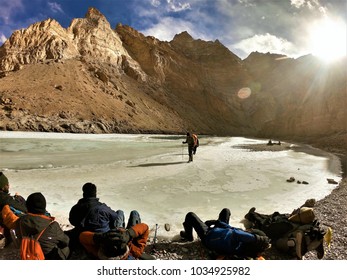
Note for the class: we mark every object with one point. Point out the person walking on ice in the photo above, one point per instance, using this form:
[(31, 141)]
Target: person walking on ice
[(192, 143)]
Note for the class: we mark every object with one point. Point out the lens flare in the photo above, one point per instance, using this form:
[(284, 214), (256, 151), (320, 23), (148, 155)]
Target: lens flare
[(244, 93)]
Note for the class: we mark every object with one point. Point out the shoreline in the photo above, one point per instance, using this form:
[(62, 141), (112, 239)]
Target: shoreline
[(341, 155)]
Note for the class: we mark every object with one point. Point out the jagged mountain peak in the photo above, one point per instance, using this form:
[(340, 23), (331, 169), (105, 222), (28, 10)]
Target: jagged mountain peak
[(95, 16), (183, 37), (94, 13)]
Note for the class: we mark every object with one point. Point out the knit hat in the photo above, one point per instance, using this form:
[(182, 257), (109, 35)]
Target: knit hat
[(36, 203), (89, 190), (3, 181)]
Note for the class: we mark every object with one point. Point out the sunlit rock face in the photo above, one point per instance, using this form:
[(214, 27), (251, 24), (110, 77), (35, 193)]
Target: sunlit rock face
[(93, 78), (305, 97), (90, 37)]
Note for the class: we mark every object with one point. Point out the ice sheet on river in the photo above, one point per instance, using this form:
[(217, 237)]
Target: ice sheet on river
[(150, 173)]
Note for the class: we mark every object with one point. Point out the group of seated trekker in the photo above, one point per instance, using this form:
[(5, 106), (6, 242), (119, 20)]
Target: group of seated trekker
[(101, 233)]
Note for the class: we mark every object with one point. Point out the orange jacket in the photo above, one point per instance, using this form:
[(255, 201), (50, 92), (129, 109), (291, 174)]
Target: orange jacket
[(8, 217), (137, 244)]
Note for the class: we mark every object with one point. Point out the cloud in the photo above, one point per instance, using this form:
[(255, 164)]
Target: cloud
[(55, 7), (168, 27), (2, 39), (8, 8), (155, 3), (166, 18), (169, 5), (266, 43), (175, 6), (297, 3), (313, 5)]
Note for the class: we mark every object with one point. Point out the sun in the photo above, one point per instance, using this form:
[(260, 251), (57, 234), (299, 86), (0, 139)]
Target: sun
[(328, 39)]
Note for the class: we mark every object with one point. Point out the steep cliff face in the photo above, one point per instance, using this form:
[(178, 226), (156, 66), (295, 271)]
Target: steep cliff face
[(308, 96), (92, 78), (198, 78)]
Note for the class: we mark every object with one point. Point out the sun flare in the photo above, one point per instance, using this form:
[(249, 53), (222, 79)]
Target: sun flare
[(328, 40)]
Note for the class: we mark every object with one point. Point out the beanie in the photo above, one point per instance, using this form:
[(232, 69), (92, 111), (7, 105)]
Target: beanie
[(89, 190), (3, 181), (36, 203)]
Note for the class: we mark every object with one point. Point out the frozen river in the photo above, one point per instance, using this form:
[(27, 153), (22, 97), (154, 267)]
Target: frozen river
[(150, 173)]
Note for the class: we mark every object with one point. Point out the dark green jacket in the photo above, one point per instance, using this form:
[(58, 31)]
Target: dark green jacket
[(54, 242)]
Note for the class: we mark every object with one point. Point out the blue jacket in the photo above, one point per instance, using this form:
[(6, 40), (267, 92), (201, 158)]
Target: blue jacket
[(227, 240), (91, 215)]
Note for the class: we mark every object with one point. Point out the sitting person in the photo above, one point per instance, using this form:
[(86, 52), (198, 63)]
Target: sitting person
[(295, 233), (122, 243), (53, 241), (224, 240), (16, 203), (89, 214)]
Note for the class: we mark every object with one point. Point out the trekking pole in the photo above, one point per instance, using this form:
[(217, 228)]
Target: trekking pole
[(155, 235)]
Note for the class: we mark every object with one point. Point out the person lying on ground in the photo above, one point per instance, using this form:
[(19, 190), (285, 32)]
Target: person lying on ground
[(122, 243), (295, 234), (224, 240), (53, 241)]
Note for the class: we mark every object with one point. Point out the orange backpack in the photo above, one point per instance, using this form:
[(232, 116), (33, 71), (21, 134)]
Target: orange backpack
[(30, 248), (196, 140)]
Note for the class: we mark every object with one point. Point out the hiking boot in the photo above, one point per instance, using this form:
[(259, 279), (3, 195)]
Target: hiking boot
[(284, 244), (185, 236), (320, 251)]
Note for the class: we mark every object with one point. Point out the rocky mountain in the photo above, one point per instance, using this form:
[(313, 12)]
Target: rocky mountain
[(95, 79)]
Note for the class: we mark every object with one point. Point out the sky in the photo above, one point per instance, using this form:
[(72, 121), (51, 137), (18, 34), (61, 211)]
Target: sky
[(290, 27)]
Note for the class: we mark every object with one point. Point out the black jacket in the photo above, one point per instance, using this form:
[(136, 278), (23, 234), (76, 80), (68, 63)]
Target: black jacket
[(89, 214), (16, 202)]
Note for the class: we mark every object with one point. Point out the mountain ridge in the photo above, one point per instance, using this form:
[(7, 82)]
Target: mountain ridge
[(90, 78)]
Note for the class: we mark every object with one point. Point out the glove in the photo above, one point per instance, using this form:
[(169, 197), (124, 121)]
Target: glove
[(262, 239), (262, 242), (124, 236), (100, 237)]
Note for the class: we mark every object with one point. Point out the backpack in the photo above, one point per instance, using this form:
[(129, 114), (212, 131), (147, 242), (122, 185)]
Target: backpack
[(30, 248), (196, 140)]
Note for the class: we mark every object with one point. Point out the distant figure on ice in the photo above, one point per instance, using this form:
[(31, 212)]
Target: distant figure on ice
[(16, 204), (192, 141), (54, 242), (119, 244), (89, 214), (224, 240)]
